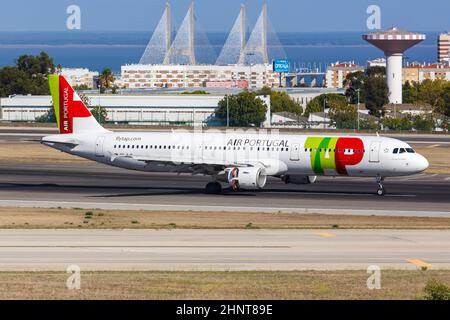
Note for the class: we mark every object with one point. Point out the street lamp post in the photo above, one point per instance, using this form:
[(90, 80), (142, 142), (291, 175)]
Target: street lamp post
[(228, 112), (357, 110), (324, 114)]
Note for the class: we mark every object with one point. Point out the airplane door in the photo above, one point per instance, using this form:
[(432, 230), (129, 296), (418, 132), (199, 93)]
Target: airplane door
[(99, 147), (374, 155), (295, 152)]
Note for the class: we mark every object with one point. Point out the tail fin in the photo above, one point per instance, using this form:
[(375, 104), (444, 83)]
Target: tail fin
[(72, 115)]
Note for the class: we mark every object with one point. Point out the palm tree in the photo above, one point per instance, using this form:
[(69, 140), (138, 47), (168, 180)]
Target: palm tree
[(106, 79)]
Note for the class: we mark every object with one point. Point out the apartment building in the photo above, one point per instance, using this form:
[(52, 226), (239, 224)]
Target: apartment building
[(196, 76)]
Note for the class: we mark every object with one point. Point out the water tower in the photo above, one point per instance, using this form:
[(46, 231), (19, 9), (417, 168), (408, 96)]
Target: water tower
[(394, 43)]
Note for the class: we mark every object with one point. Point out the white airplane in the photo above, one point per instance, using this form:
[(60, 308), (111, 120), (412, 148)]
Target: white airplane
[(242, 159)]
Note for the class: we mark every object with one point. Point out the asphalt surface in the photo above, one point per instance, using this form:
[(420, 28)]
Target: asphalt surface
[(8, 134), (99, 186), (222, 249)]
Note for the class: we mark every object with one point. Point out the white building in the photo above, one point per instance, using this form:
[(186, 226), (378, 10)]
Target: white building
[(138, 76), (380, 62), (304, 95), (80, 77), (148, 109), (444, 48), (337, 72)]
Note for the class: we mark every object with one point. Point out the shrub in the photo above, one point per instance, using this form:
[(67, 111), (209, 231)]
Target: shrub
[(436, 290)]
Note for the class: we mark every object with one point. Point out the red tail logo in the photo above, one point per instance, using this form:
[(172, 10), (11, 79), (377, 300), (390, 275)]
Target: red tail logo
[(70, 107)]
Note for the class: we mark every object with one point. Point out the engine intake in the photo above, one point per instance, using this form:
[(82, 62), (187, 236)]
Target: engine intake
[(247, 178), (298, 179)]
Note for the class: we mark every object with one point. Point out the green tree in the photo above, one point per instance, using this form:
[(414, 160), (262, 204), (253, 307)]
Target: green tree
[(368, 124), (35, 66), (373, 89), (398, 124), (423, 123), (344, 116), (106, 80), (245, 109), (433, 93), (28, 76), (81, 87), (199, 92), (410, 92), (265, 91), (100, 114), (282, 102), (376, 94), (325, 100), (354, 81), (49, 117)]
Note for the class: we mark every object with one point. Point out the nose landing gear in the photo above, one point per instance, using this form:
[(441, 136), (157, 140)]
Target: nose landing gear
[(381, 190)]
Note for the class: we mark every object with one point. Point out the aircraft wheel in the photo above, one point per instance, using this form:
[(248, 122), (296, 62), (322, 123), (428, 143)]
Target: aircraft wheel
[(213, 188), (381, 191)]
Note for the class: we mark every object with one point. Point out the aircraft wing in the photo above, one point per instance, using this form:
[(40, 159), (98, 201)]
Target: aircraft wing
[(211, 167)]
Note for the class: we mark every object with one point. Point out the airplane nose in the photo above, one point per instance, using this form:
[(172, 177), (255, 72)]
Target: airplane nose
[(422, 163)]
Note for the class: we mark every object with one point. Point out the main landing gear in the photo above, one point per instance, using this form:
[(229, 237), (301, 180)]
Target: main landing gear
[(213, 188), (381, 190)]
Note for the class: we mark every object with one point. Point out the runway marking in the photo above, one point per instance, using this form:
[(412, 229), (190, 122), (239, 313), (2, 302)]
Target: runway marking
[(21, 135), (420, 263), (434, 146), (346, 194), (447, 179), (143, 246), (426, 142), (325, 234)]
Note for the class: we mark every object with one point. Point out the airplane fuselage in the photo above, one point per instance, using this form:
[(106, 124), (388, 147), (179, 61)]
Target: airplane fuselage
[(280, 154)]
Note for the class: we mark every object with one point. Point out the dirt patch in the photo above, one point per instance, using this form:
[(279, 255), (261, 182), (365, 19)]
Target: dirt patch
[(438, 156), (35, 153), (36, 218), (219, 285)]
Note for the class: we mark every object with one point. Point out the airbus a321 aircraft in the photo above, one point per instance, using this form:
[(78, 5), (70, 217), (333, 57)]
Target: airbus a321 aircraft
[(243, 160)]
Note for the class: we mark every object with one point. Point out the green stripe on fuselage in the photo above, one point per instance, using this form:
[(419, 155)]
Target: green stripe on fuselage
[(321, 157)]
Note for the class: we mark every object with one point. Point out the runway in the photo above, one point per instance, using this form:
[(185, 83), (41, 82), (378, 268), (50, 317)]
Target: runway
[(222, 249), (26, 134), (99, 186)]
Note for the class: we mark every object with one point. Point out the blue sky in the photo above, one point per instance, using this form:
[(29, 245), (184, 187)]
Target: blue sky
[(218, 15)]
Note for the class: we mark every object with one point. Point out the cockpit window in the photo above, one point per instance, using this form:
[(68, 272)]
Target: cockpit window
[(395, 150), (410, 150), (402, 150)]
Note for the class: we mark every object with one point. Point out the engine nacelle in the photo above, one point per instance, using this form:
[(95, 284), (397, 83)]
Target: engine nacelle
[(247, 178), (298, 179)]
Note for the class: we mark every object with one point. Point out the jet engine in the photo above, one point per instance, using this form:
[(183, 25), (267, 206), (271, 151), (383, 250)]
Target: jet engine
[(298, 179), (247, 178)]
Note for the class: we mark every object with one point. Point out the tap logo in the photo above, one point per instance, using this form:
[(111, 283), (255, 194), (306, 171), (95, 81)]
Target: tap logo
[(334, 153)]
